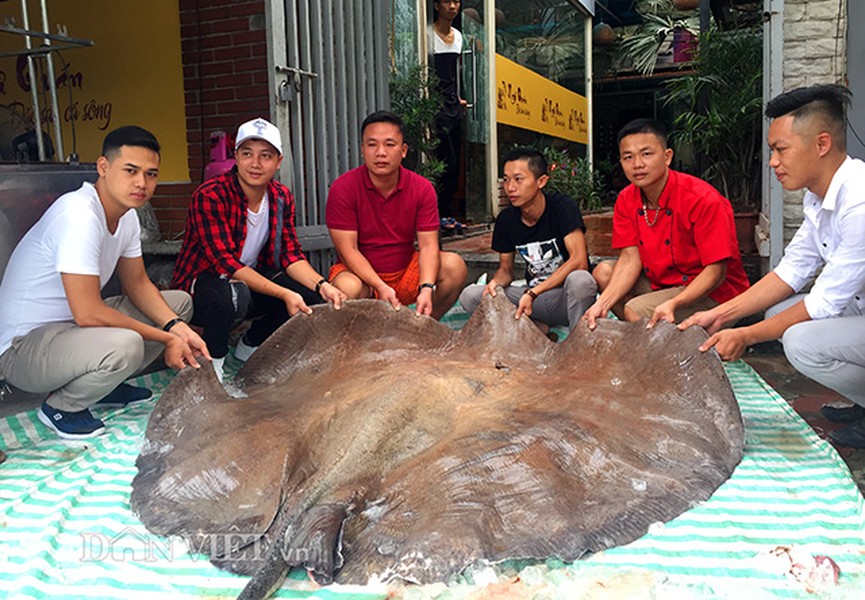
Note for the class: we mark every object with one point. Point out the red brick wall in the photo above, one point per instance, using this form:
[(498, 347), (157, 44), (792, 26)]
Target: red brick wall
[(224, 45)]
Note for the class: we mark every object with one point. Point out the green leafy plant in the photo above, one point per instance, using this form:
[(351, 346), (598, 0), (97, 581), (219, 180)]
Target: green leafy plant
[(573, 176), (414, 96), (718, 108), (660, 20)]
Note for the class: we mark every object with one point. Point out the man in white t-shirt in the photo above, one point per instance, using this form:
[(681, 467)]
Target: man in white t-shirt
[(823, 330), (57, 334)]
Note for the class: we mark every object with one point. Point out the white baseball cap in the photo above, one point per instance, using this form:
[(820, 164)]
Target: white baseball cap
[(259, 129)]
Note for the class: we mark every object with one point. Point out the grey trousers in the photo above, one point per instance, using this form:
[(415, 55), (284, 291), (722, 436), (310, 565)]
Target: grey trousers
[(77, 366), (829, 351), (560, 306)]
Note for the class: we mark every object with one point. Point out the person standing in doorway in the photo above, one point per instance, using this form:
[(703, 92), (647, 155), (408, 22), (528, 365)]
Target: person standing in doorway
[(383, 221), (447, 51)]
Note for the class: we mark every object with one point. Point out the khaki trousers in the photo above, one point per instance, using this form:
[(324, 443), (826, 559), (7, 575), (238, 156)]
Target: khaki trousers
[(646, 299), (78, 366)]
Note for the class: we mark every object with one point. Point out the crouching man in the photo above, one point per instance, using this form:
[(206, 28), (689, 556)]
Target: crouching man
[(241, 258), (57, 335), (375, 213), (823, 330)]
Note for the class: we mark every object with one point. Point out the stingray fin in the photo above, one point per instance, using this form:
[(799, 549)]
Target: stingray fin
[(493, 332), (207, 466), (328, 336)]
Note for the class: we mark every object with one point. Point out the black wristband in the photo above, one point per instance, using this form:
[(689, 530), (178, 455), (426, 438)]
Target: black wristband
[(531, 293), (172, 323), (320, 283), (431, 286)]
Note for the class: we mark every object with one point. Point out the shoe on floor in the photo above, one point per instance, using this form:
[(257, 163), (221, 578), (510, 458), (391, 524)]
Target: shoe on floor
[(78, 425), (242, 352), (852, 436), (448, 226), (125, 394), (845, 414)]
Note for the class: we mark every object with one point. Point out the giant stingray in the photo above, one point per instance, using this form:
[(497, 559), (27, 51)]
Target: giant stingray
[(371, 444)]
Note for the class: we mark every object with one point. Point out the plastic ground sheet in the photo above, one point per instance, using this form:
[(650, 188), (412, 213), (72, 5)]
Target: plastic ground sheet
[(66, 530)]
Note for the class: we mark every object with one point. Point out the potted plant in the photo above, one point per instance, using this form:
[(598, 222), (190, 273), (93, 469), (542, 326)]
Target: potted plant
[(415, 97), (718, 110), (662, 23), (573, 176)]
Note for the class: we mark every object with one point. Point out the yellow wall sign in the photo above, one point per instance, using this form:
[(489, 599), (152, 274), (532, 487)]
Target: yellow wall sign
[(530, 101), (132, 75)]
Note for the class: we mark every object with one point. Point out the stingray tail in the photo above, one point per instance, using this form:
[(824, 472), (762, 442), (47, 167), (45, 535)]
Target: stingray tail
[(313, 544), (268, 579)]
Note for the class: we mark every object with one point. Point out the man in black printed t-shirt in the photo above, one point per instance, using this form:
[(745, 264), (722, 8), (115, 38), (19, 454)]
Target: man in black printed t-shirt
[(548, 232)]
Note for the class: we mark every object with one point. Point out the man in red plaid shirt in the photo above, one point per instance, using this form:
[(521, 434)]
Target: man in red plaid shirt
[(240, 257)]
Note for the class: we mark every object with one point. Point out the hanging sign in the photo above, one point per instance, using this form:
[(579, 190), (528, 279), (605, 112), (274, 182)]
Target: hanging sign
[(530, 101)]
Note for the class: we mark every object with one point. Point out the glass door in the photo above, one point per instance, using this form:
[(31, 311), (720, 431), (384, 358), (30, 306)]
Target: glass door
[(546, 38), (475, 89)]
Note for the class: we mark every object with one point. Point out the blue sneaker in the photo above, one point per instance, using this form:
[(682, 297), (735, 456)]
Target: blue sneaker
[(71, 425), (125, 394)]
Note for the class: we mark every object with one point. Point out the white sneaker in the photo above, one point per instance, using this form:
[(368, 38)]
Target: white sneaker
[(218, 364), (242, 352)]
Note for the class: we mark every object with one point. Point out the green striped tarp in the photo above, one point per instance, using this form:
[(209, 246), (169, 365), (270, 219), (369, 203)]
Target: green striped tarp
[(66, 530)]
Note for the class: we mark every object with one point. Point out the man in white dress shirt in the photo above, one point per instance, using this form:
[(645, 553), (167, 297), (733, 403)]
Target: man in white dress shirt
[(823, 330)]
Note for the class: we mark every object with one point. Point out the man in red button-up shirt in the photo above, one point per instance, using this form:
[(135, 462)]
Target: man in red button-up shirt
[(679, 252)]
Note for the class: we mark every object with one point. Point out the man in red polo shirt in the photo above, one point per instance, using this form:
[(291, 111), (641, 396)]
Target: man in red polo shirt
[(374, 214), (679, 252)]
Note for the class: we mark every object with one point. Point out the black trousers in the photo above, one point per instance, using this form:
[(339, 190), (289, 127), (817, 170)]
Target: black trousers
[(448, 151), (221, 304)]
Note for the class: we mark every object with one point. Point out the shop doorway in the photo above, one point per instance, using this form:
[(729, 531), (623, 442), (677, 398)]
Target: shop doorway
[(461, 62), (325, 71), (547, 43)]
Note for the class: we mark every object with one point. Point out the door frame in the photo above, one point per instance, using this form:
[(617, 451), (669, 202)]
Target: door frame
[(425, 12), (327, 64)]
